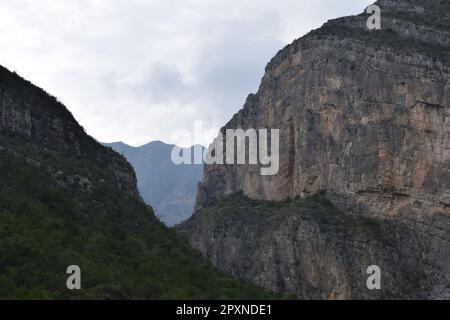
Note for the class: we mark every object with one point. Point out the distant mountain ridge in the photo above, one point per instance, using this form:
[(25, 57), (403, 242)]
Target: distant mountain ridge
[(168, 187)]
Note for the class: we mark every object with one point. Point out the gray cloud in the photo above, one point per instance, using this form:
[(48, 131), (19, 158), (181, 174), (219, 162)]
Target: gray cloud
[(160, 83), (135, 70)]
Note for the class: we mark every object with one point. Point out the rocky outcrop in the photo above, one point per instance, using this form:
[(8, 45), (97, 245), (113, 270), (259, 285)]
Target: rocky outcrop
[(364, 119), (308, 248), (28, 112)]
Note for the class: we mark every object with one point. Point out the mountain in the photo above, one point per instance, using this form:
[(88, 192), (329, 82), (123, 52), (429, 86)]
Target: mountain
[(67, 200), (168, 187), (364, 179)]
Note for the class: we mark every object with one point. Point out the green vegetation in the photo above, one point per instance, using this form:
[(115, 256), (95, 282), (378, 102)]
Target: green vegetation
[(386, 38), (432, 19), (123, 251), (269, 214)]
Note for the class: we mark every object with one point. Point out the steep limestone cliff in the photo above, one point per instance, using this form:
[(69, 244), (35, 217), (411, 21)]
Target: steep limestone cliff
[(364, 119)]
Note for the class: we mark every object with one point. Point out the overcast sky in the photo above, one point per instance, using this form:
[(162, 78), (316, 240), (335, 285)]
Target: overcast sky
[(136, 71)]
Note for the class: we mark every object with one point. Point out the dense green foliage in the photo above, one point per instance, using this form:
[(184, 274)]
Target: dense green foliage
[(123, 251)]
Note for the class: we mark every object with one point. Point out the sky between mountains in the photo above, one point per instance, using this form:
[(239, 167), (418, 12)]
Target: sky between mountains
[(136, 71)]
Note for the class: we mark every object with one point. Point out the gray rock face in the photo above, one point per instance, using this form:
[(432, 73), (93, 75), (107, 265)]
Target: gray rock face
[(28, 112), (364, 118), (308, 248), (169, 188)]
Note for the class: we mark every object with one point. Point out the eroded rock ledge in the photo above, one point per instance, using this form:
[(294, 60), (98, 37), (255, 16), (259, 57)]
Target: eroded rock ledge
[(309, 248)]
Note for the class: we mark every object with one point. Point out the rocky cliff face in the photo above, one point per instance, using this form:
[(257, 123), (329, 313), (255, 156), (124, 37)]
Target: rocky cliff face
[(364, 119), (308, 248), (28, 112)]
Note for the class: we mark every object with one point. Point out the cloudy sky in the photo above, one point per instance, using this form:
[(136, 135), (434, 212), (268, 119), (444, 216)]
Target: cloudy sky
[(137, 71)]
